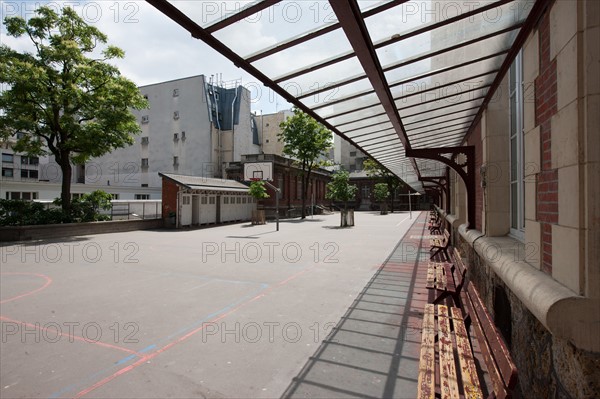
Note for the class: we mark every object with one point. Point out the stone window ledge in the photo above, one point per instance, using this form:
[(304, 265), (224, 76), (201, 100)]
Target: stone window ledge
[(564, 313)]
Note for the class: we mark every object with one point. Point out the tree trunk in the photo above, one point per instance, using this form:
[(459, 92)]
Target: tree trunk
[(65, 195), (305, 179)]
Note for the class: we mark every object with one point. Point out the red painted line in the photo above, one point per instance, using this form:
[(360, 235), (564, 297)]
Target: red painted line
[(43, 276), (168, 346), (70, 336)]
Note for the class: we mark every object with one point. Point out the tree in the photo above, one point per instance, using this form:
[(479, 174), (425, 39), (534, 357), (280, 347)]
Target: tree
[(258, 191), (305, 140), (381, 193), (64, 102), (374, 169), (340, 189)]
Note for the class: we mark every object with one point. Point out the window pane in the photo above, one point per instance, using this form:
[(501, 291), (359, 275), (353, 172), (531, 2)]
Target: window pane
[(513, 160), (514, 206)]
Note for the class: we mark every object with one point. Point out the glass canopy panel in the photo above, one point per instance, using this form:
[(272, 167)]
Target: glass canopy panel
[(484, 48), (275, 24), (335, 93), (466, 73), (303, 55), (406, 17), (372, 140), (438, 134), (437, 109), (375, 136), (349, 105), (448, 95), (439, 142), (448, 35), (443, 114), (322, 77), (366, 5), (358, 115), (448, 124), (206, 13), (454, 118), (374, 123)]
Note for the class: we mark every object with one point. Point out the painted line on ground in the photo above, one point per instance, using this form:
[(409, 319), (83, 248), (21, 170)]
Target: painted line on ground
[(71, 336), (146, 358), (14, 298)]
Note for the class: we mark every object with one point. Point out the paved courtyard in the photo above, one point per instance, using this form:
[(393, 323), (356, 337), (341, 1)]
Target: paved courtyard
[(230, 311)]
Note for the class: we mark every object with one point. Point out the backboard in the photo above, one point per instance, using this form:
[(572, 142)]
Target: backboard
[(258, 170)]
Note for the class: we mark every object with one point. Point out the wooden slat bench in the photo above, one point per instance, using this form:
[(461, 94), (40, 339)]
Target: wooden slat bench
[(446, 343), (445, 279), (453, 347), (440, 244), (499, 364)]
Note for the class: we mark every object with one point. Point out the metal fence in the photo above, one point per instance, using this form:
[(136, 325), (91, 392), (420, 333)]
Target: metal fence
[(134, 209), (126, 209)]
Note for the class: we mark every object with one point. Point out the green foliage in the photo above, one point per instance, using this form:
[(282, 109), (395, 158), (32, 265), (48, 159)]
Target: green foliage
[(27, 213), (374, 169), (258, 190), (381, 192), (339, 188), (305, 140), (66, 103)]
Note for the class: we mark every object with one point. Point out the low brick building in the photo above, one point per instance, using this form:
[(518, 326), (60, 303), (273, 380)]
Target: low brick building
[(286, 176), (196, 200)]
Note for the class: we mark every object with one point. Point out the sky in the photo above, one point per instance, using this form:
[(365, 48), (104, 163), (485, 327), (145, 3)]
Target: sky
[(156, 48)]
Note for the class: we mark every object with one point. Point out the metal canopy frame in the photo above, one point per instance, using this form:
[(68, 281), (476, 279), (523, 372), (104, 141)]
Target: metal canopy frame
[(457, 63)]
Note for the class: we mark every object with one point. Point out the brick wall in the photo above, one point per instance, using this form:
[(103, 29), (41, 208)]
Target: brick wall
[(169, 197), (545, 108)]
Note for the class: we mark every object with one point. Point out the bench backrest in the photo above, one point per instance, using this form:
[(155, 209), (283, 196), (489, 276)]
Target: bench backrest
[(446, 237), (497, 358), (461, 269)]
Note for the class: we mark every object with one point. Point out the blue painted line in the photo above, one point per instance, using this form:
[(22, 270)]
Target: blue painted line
[(85, 380), (125, 359), (149, 347)]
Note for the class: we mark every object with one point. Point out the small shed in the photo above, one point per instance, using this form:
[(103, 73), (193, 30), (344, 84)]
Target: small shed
[(197, 200)]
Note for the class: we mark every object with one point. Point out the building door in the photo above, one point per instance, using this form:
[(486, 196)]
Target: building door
[(195, 210), (186, 210)]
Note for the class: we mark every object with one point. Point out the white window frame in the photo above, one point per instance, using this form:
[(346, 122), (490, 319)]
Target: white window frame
[(516, 182)]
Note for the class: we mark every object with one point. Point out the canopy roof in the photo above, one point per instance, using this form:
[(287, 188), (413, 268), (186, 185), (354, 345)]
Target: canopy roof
[(389, 76)]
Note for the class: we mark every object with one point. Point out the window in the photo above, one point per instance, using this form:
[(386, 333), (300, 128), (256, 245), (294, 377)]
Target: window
[(27, 196), (176, 115), (175, 92), (8, 158), (175, 161), (144, 140), (144, 162), (211, 200), (115, 196), (145, 119), (517, 192), (144, 185), (183, 135), (29, 174), (175, 136), (75, 196), (7, 172), (352, 153), (243, 200), (203, 200), (142, 196), (226, 200), (19, 135), (298, 189), (239, 200)]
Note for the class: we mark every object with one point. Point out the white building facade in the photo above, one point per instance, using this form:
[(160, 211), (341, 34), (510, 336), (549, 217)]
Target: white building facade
[(191, 127)]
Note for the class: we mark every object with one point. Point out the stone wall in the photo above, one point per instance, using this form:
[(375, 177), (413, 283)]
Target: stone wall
[(26, 233), (548, 367)]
